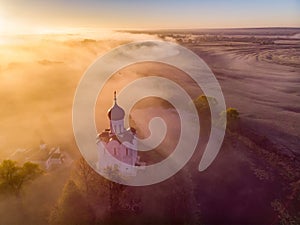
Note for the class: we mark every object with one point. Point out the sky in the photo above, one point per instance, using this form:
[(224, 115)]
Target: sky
[(36, 15)]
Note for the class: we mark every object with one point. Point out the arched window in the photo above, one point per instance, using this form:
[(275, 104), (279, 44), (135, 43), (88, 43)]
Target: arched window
[(115, 151)]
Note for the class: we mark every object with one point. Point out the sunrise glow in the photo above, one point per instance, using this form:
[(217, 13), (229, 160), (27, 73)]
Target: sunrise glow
[(32, 16)]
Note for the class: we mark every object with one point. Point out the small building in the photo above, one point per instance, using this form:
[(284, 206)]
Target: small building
[(47, 158), (56, 158)]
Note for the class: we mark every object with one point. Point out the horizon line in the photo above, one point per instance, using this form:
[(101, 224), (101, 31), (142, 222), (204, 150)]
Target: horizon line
[(72, 30), (210, 28)]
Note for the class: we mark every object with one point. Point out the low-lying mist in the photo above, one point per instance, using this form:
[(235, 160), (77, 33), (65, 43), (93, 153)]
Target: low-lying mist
[(39, 75)]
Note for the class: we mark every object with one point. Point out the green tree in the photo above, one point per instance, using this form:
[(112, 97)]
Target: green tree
[(232, 114), (13, 177), (202, 102)]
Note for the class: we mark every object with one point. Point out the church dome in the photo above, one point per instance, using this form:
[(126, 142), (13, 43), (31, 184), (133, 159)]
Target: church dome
[(116, 112)]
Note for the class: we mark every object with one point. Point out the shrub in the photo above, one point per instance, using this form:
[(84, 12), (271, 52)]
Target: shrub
[(202, 101), (232, 114)]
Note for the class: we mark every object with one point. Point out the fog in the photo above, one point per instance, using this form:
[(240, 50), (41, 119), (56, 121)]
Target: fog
[(38, 79), (39, 75)]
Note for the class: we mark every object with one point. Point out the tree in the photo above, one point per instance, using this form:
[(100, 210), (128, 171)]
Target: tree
[(180, 198), (232, 114), (115, 190), (102, 194), (13, 177), (86, 177), (72, 207), (202, 102)]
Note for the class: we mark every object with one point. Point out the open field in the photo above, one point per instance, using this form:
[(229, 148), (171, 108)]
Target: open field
[(258, 70)]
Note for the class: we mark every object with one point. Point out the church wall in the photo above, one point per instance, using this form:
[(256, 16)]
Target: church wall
[(117, 126)]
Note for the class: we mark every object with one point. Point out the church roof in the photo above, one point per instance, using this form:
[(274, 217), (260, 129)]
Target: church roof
[(55, 156), (127, 136), (116, 112)]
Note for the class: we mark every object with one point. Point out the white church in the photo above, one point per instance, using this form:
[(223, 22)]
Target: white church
[(117, 146)]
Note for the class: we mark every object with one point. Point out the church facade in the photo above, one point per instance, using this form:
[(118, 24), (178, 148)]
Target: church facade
[(117, 146)]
